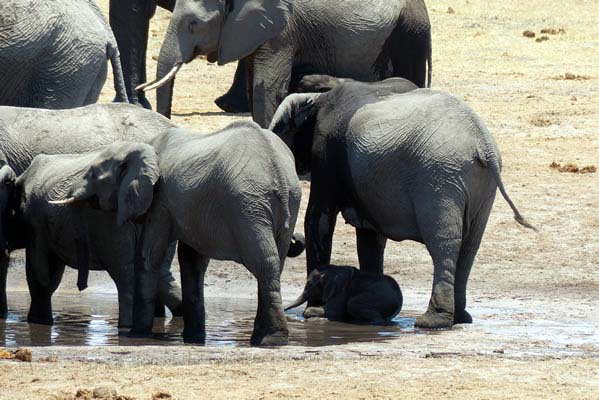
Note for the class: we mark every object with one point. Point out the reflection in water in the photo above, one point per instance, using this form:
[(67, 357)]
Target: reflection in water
[(92, 320)]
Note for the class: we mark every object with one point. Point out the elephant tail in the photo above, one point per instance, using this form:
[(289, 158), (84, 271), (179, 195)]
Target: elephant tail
[(489, 158), (117, 71)]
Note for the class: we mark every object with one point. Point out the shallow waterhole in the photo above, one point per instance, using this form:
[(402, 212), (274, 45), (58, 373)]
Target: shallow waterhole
[(92, 320)]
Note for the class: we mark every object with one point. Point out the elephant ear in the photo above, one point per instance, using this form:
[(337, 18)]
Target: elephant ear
[(249, 24), (136, 189)]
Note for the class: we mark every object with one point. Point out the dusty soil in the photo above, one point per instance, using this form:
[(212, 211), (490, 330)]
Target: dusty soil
[(533, 296)]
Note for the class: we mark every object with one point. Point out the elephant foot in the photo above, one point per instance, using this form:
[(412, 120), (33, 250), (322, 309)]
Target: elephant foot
[(275, 339), (462, 317), (33, 318), (314, 312), (194, 338), (140, 334), (232, 103), (434, 321)]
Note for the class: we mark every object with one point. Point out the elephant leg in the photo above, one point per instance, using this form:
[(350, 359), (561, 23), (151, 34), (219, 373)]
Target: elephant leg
[(193, 269), (4, 262), (371, 250), (236, 100), (263, 261), (150, 253), (40, 309), (272, 75), (470, 246), (442, 234), (130, 22), (319, 226), (123, 277), (169, 291)]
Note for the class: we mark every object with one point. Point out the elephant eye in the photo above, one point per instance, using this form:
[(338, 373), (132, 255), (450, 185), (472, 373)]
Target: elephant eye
[(193, 26)]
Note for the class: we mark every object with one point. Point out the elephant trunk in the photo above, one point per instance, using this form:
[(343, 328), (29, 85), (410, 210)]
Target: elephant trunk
[(299, 301), (169, 63)]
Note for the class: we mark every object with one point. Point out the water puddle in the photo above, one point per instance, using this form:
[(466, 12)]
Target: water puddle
[(92, 320)]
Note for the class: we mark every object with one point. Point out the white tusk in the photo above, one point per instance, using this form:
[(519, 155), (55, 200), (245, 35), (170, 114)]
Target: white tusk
[(70, 200), (159, 83)]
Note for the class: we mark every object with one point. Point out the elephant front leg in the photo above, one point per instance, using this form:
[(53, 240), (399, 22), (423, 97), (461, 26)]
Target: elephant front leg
[(4, 262), (150, 253), (41, 290), (319, 226), (271, 77), (371, 250), (169, 291), (193, 269)]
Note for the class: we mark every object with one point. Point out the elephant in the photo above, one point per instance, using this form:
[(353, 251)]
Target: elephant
[(276, 39), (349, 295), (130, 22), (418, 166), (231, 195), (53, 54), (26, 133)]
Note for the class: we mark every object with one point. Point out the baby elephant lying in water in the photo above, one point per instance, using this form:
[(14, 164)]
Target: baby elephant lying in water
[(350, 295)]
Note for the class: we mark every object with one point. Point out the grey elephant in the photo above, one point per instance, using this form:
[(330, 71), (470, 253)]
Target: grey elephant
[(232, 195), (276, 39), (26, 133), (53, 54), (343, 293), (415, 166)]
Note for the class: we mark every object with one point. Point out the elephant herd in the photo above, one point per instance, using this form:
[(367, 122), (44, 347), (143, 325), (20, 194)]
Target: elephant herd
[(339, 90)]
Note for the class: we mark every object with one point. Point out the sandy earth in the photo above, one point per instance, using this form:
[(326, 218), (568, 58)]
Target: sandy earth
[(533, 296)]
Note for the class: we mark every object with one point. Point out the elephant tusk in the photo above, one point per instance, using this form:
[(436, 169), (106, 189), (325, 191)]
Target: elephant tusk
[(70, 200), (159, 83)]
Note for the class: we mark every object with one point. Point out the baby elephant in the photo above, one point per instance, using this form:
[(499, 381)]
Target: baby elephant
[(350, 295)]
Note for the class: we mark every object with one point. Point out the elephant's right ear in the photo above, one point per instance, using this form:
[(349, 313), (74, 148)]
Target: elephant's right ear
[(249, 24), (136, 187)]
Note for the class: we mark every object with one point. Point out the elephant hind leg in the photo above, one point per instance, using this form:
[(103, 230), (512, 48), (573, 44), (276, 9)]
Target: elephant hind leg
[(470, 246), (262, 259), (4, 262), (169, 291), (441, 228)]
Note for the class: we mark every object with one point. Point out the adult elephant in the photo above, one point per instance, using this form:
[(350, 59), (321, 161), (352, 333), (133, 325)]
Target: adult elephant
[(279, 38), (130, 22), (26, 133), (418, 166), (232, 195), (53, 54)]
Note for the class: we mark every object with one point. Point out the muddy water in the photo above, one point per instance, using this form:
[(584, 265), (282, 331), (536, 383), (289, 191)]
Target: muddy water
[(92, 320)]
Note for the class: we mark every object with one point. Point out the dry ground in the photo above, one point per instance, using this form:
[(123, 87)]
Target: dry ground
[(519, 87)]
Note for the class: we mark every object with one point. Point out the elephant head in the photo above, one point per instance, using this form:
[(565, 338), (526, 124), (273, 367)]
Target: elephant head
[(223, 30), (120, 179), (328, 286), (294, 122)]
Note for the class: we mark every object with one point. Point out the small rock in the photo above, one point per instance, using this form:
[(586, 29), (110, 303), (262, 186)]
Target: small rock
[(23, 354), (104, 392), (542, 39), (450, 11), (161, 395), (528, 34)]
